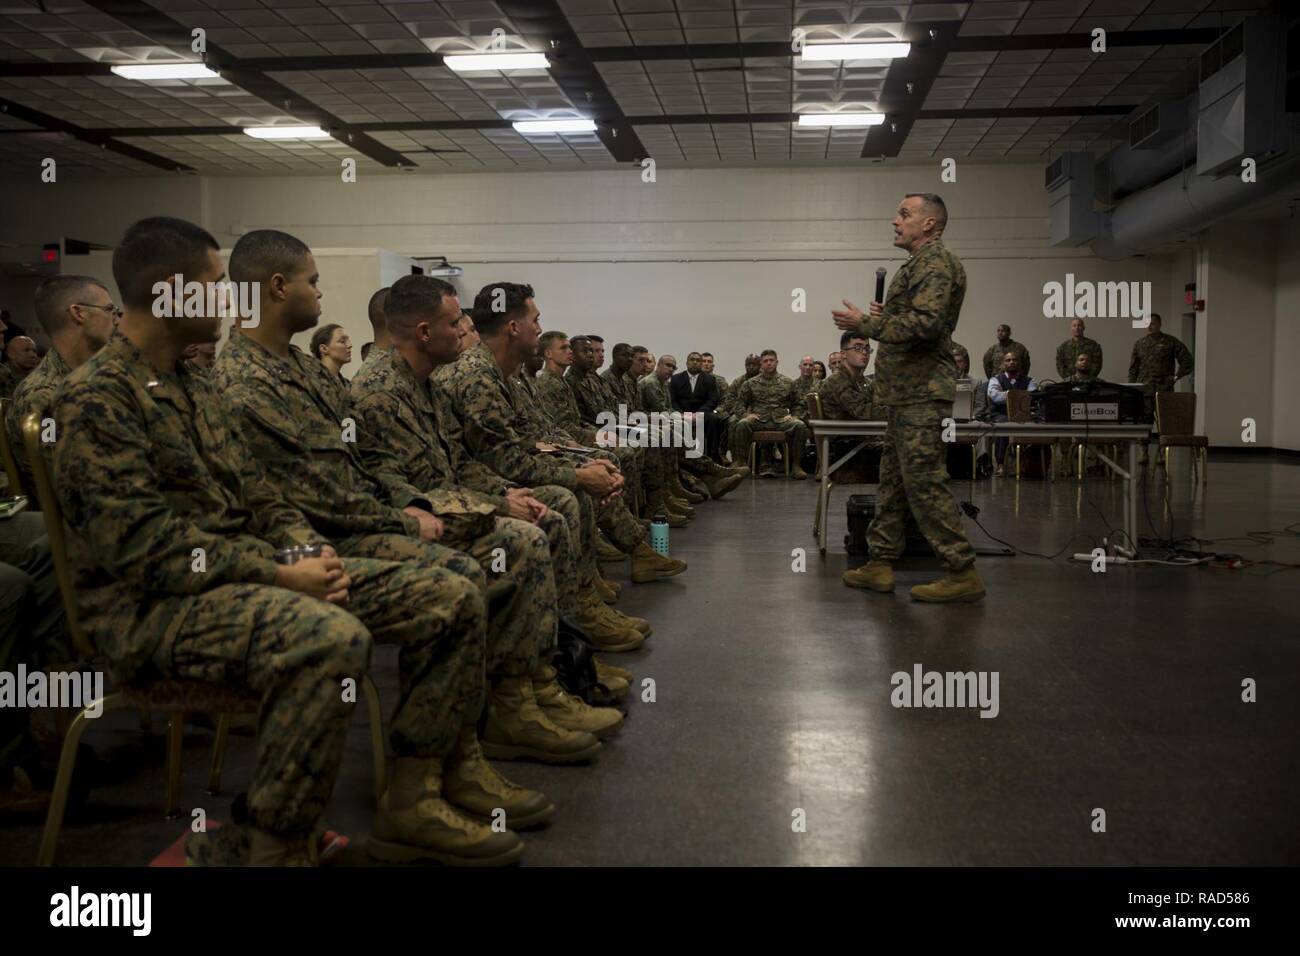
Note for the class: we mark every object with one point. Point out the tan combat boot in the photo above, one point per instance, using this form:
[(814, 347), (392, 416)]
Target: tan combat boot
[(723, 484), (472, 784), (603, 590), (874, 576), (568, 711), (649, 565), (518, 730), (798, 474), (606, 551), (679, 490), (617, 618), (414, 822), (659, 503), (680, 505), (604, 670), (603, 631), (273, 849), (953, 586)]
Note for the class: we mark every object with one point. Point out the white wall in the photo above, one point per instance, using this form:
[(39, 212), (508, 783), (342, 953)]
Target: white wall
[(700, 259), (1235, 333), (1286, 341)]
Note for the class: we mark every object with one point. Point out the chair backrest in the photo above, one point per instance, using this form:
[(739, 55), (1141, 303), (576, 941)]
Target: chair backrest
[(7, 453), (1018, 405), (814, 406), (1176, 413), (54, 532)]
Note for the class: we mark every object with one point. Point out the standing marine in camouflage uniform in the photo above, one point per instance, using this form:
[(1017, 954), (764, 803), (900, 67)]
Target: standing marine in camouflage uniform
[(1004, 344), (298, 427), (767, 401), (1069, 350), (174, 538), (916, 382), (1154, 357), (78, 315)]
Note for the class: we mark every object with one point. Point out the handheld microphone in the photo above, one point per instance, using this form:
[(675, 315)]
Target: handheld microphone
[(880, 285)]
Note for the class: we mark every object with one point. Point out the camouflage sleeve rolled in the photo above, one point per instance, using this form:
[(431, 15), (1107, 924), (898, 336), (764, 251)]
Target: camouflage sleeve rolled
[(1183, 356), (485, 415), (470, 472), (108, 486), (924, 320)]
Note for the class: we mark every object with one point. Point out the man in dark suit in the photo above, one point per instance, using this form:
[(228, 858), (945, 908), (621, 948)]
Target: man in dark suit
[(695, 391)]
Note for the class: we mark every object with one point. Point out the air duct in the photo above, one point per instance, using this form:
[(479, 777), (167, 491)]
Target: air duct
[(1185, 204), (1246, 150), (1127, 169)]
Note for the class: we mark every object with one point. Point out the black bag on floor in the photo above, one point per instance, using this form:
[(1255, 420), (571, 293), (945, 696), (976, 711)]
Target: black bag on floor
[(861, 509), (575, 665)]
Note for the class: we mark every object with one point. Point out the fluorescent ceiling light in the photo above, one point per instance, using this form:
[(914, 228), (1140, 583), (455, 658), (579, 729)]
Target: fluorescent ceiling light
[(165, 71), (286, 132), (854, 51), (555, 126), (470, 62), (841, 119)]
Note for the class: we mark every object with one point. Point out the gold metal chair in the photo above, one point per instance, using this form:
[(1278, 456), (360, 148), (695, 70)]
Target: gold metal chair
[(1176, 423), (173, 697), (769, 437)]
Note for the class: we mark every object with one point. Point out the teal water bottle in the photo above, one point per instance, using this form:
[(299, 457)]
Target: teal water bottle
[(659, 534)]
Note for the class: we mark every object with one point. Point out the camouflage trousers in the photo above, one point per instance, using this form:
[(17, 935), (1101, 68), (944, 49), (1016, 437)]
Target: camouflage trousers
[(914, 476), (295, 652), (511, 563), (575, 574), (32, 630)]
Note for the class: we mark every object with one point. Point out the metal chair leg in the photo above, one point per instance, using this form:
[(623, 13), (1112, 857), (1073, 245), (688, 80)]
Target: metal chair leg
[(1017, 463), (377, 755), (219, 753), (175, 736), (785, 454), (63, 778)]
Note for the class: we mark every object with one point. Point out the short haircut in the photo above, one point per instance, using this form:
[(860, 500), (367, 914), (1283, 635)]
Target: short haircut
[(766, 352), (365, 350), (622, 348), (640, 350), (515, 296), (849, 336), (413, 298), (155, 249), (321, 337), (375, 307), (547, 339), (595, 338), (55, 295), (262, 253), (933, 206), (579, 340), (1155, 317), (704, 355)]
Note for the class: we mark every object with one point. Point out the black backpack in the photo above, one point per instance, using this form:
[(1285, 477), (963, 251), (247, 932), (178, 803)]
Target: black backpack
[(575, 665)]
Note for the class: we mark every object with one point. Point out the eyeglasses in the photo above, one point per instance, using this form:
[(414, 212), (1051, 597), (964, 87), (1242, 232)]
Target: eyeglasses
[(112, 310), (857, 348)]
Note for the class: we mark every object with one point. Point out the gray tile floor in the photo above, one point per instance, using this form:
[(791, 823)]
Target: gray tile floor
[(1118, 691)]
